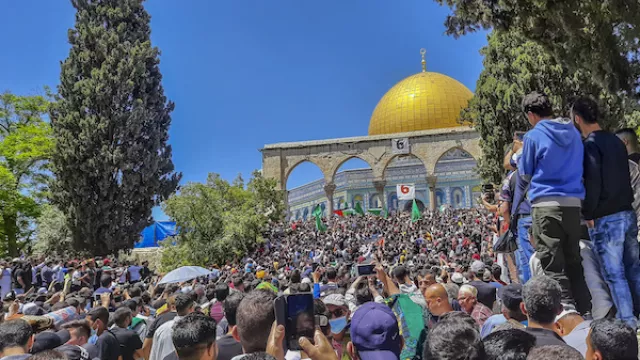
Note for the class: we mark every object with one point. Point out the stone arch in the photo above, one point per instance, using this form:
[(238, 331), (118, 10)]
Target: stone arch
[(440, 197), (408, 206), (342, 160), (375, 201), (447, 152), (457, 197), (392, 201), (358, 198), (289, 169), (397, 156)]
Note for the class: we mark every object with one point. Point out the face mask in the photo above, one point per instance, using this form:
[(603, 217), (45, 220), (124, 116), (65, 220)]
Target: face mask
[(94, 336), (337, 325), (93, 339)]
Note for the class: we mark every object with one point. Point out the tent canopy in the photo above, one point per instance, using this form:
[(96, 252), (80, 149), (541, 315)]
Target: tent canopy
[(156, 232)]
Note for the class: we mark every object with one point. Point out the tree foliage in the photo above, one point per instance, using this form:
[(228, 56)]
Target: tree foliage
[(112, 161), (25, 147), (219, 221), (52, 233), (513, 67), (598, 36)]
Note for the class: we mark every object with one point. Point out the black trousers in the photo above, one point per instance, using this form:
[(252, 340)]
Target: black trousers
[(557, 233)]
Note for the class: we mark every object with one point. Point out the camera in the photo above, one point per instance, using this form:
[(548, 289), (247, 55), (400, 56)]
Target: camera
[(488, 191), (295, 313)]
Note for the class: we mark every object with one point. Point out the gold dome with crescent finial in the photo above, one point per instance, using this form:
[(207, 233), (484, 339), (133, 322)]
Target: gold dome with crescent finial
[(424, 101)]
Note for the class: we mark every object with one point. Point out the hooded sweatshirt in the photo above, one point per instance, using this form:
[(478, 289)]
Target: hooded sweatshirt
[(551, 160)]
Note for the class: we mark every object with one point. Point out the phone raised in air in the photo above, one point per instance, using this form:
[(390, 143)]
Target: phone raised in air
[(295, 313), (366, 270), (519, 135)]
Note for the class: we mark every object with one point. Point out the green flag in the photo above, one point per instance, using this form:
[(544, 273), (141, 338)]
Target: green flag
[(317, 213), (358, 209), (415, 212), (385, 213)]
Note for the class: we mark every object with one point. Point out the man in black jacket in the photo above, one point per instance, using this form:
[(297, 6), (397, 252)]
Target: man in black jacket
[(607, 209)]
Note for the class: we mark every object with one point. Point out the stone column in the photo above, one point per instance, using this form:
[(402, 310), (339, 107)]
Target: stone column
[(431, 182), (379, 185), (285, 198), (329, 189)]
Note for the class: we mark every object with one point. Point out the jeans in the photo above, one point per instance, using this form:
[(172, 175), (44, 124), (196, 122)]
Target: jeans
[(556, 232), (600, 295), (615, 243), (525, 250)]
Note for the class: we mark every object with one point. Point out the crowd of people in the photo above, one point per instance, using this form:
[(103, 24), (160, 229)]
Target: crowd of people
[(437, 289)]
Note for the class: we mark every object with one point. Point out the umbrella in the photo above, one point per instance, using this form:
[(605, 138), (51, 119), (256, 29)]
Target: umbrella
[(184, 273)]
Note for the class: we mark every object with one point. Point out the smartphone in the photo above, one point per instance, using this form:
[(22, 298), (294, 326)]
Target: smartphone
[(295, 313), (519, 135), (366, 270), (117, 298), (315, 266), (96, 297)]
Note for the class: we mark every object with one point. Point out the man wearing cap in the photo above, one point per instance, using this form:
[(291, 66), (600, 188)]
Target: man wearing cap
[(574, 329), (375, 334), (339, 321), (486, 292), (511, 297), (468, 299)]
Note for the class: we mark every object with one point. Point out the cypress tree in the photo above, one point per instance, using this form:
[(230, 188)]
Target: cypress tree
[(112, 163)]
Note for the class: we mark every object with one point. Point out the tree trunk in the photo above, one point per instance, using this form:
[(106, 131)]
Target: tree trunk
[(11, 233)]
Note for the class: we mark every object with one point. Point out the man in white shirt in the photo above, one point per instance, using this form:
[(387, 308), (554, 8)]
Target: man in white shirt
[(162, 348)]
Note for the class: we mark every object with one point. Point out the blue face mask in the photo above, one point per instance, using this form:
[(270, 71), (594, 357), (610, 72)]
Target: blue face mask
[(93, 339), (337, 325)]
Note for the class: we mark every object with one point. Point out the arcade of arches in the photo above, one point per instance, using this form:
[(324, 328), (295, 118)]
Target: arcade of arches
[(436, 158)]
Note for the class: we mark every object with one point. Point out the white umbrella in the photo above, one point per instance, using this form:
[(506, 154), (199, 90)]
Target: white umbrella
[(184, 273)]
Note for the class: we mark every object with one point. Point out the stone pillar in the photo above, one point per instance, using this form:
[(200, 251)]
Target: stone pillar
[(379, 185), (329, 189), (431, 182), (285, 198)]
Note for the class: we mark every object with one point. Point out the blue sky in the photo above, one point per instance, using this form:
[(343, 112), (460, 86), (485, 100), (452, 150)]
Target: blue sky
[(244, 73)]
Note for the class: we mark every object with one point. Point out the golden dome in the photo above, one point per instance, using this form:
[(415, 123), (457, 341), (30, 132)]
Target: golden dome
[(423, 101)]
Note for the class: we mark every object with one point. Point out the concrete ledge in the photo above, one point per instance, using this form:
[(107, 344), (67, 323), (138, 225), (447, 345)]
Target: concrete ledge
[(358, 139)]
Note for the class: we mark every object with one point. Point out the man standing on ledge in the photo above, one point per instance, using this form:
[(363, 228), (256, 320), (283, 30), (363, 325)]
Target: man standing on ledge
[(551, 161), (607, 210)]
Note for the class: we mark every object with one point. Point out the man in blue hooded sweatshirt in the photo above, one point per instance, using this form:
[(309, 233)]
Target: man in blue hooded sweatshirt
[(551, 161)]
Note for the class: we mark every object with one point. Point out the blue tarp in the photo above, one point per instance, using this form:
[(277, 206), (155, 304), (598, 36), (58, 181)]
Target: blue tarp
[(156, 232)]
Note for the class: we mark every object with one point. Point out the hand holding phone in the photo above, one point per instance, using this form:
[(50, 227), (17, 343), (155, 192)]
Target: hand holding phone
[(295, 313), (366, 270)]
